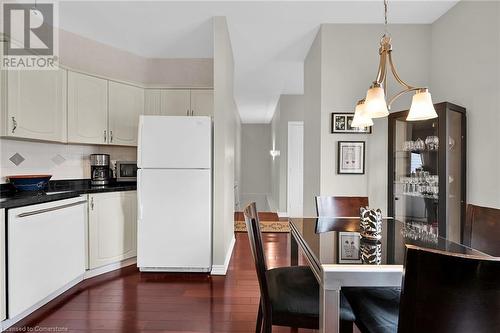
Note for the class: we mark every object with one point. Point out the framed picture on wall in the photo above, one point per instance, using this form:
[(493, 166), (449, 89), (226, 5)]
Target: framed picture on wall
[(351, 157), (341, 123), (349, 252)]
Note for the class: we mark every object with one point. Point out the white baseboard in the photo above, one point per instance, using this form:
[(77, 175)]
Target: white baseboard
[(222, 269), (282, 214), (108, 268)]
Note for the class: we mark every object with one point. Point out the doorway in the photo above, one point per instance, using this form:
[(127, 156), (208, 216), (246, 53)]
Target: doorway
[(295, 168)]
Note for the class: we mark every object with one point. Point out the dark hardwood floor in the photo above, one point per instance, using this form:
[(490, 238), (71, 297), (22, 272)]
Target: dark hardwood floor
[(129, 301)]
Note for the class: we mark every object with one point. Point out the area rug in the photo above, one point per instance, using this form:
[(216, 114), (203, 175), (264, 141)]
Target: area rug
[(269, 222)]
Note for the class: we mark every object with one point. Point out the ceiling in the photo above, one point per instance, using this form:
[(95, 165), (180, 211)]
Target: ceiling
[(270, 39)]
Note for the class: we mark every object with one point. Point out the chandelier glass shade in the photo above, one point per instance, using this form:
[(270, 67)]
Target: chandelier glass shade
[(360, 119)]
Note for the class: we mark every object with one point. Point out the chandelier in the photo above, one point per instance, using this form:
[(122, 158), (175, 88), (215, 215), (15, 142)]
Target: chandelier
[(374, 105)]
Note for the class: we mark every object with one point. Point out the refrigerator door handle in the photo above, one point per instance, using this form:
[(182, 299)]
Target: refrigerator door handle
[(139, 195), (139, 142)]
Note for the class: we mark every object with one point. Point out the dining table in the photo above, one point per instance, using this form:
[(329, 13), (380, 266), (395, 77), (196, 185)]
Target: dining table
[(339, 257)]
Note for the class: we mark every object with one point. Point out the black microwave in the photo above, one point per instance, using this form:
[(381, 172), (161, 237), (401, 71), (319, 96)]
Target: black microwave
[(126, 171)]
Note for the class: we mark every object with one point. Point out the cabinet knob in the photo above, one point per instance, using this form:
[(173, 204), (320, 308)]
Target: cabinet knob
[(92, 203), (105, 138), (14, 124), (110, 136)]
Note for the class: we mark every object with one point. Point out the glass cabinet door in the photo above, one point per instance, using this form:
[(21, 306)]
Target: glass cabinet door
[(416, 173)]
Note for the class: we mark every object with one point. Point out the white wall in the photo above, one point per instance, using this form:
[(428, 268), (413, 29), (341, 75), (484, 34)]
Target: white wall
[(226, 122), (289, 108), (256, 165), (312, 124), (349, 64), (466, 71), (62, 161), (80, 53)]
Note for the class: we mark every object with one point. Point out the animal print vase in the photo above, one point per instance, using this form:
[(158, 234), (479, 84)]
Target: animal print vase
[(371, 223), (371, 252)]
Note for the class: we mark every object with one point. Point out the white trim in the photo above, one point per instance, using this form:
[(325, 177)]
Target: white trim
[(86, 275), (222, 269), (282, 214), (108, 268)]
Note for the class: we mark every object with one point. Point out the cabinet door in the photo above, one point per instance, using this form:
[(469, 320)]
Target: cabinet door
[(126, 103), (202, 102), (152, 102), (112, 227), (175, 102), (87, 109), (36, 104)]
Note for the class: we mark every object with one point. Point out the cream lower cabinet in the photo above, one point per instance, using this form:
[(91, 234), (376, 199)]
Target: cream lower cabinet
[(87, 109), (112, 227), (36, 105), (126, 103)]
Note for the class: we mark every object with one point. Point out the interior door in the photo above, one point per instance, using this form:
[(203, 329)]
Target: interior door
[(87, 109), (126, 103), (36, 103), (295, 178), (174, 219)]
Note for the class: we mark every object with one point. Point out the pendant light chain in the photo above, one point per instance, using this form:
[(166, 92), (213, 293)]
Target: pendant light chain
[(385, 18)]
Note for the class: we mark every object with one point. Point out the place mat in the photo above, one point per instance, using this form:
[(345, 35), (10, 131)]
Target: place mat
[(265, 226)]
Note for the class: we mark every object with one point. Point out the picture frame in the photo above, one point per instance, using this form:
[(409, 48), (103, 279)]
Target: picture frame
[(351, 157), (341, 123), (349, 247)]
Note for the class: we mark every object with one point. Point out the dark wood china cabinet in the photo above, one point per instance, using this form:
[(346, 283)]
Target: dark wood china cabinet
[(427, 179)]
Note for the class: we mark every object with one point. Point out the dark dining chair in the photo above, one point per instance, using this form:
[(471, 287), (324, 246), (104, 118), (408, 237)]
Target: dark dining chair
[(482, 229), (442, 293), (330, 206), (289, 296)]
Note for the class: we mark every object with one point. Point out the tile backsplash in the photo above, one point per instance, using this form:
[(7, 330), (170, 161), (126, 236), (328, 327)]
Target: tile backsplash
[(62, 161)]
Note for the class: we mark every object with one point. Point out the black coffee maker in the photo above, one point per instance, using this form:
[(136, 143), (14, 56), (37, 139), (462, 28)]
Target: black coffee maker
[(100, 173)]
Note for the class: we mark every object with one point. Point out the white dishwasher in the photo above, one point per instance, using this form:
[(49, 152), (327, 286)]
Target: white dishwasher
[(45, 251)]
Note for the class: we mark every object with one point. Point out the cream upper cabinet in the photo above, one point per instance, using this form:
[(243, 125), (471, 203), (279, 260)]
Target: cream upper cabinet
[(152, 102), (87, 109), (36, 104), (202, 102), (112, 227), (175, 102), (126, 103)]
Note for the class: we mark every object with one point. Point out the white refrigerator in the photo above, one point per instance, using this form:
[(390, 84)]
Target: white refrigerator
[(174, 194)]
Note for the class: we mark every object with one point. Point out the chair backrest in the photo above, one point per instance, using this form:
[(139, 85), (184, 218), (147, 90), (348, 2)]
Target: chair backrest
[(256, 245), (327, 206), (449, 293), (482, 229)]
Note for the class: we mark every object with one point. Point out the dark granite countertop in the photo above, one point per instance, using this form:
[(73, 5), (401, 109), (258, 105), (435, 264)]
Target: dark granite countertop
[(57, 190)]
